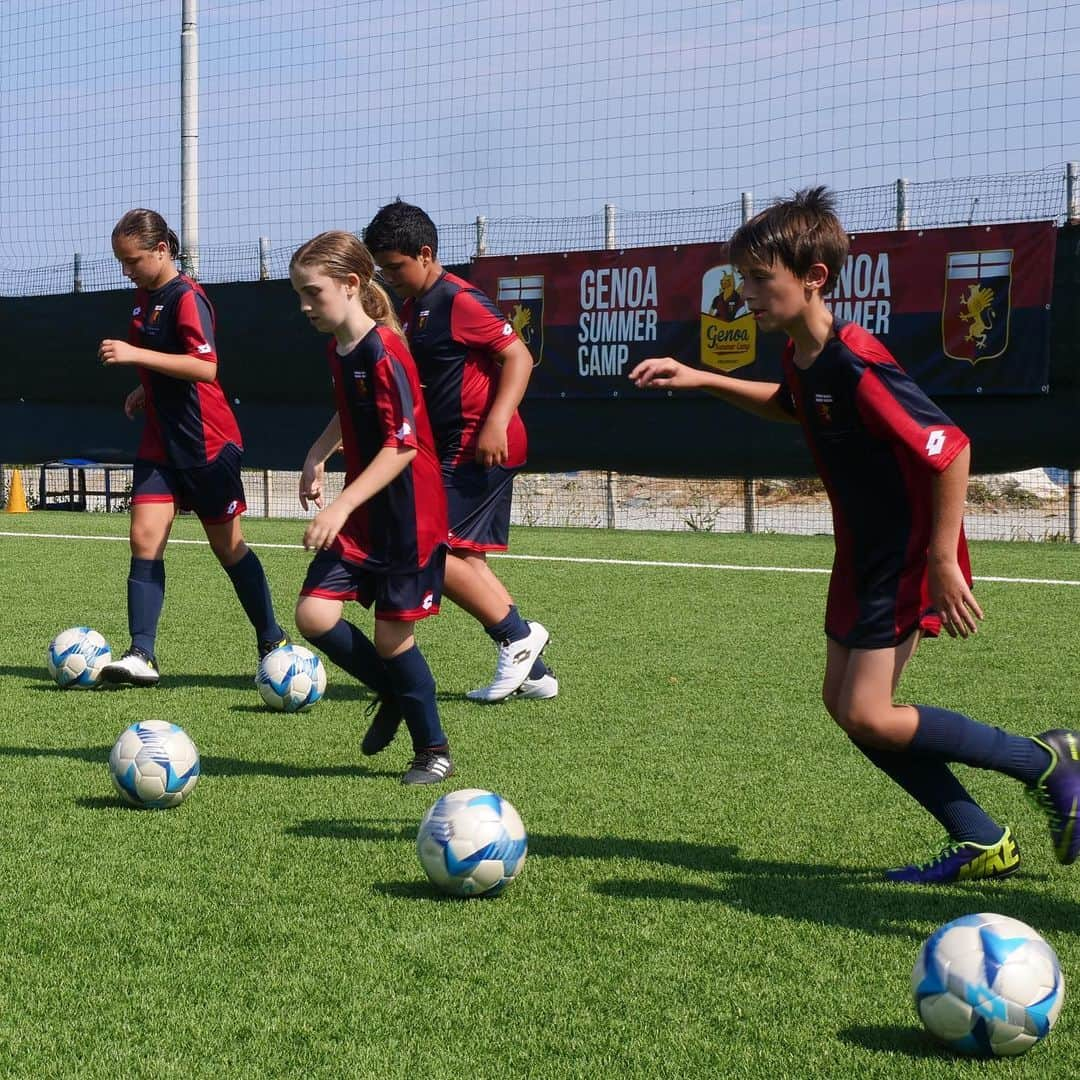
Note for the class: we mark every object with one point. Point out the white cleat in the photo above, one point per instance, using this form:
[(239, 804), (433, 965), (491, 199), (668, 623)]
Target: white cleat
[(516, 659), (547, 686), (134, 668)]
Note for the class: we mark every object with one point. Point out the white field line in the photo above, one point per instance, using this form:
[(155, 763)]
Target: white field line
[(575, 559)]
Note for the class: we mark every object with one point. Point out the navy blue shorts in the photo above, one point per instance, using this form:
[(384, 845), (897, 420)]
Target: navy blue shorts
[(478, 505), (214, 491), (397, 597)]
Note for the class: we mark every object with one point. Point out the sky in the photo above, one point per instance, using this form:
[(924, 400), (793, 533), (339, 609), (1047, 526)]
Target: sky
[(535, 116)]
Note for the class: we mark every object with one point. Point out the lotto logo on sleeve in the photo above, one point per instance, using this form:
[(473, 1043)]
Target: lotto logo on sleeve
[(935, 443)]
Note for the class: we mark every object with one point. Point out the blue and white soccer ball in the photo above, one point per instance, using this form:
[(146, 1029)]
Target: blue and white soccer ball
[(291, 678), (988, 985), (76, 657), (472, 843), (154, 765)]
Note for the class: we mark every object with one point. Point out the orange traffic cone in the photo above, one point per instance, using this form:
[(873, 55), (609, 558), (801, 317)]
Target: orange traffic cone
[(16, 500)]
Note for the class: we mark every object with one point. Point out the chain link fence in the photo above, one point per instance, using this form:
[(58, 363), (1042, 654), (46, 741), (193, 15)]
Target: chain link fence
[(1034, 505)]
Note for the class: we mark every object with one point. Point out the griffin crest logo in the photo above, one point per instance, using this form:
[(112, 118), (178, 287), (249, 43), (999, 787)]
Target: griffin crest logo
[(977, 304), (521, 300)]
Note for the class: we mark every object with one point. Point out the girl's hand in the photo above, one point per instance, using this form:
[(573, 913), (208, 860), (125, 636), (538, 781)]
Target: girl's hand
[(135, 401), (953, 599), (116, 352), (324, 527), (311, 485)]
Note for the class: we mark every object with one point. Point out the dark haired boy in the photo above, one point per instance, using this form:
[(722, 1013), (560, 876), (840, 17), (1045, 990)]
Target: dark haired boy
[(895, 468), (474, 370)]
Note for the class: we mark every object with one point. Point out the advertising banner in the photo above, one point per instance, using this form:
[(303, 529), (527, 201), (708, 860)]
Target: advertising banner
[(964, 310)]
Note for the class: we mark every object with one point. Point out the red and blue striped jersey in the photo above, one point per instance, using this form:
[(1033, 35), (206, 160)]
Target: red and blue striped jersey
[(877, 441), (187, 423), (456, 334), (380, 403)]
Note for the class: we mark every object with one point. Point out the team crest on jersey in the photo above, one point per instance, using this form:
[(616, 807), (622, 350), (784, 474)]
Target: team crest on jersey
[(978, 304), (421, 319), (521, 300), (360, 383), (823, 407), (156, 313)]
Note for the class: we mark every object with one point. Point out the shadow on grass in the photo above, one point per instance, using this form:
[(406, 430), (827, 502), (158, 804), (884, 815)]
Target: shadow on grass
[(349, 690), (805, 892), (211, 764), (911, 1041)]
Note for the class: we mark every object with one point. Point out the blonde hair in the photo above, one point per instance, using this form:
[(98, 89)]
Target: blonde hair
[(339, 254)]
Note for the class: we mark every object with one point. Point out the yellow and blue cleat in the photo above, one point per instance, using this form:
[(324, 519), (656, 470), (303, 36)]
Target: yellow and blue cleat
[(962, 861)]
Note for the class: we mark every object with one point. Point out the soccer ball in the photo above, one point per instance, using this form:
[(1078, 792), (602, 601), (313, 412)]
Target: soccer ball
[(988, 985), (291, 678), (154, 765), (472, 843), (76, 657)]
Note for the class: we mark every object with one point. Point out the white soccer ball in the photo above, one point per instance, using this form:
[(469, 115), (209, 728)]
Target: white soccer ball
[(154, 765), (472, 843), (76, 657), (988, 985), (291, 678)]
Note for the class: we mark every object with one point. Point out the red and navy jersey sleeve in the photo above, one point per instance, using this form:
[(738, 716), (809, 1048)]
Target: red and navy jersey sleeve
[(395, 400), (195, 326), (893, 407), (478, 324)]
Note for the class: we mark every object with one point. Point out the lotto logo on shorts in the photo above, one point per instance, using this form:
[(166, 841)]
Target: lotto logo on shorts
[(936, 443), (428, 601), (231, 508)]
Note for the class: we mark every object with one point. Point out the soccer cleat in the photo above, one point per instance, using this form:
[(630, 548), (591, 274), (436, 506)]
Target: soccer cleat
[(385, 722), (547, 686), (516, 659), (1057, 791), (962, 861), (429, 767), (267, 647), (135, 667)]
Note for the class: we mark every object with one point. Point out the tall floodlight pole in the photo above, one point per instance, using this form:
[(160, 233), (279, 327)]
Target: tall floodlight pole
[(189, 137)]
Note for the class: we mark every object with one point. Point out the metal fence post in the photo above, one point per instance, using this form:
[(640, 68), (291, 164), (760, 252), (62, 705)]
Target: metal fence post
[(1074, 506), (189, 137), (77, 285), (609, 226), (610, 498), (264, 258), (481, 235), (749, 487), (1072, 193), (903, 219)]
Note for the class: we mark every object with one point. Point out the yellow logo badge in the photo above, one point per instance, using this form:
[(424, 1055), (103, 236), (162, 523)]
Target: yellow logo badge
[(728, 330)]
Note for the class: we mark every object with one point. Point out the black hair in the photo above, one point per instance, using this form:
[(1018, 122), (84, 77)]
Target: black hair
[(400, 226)]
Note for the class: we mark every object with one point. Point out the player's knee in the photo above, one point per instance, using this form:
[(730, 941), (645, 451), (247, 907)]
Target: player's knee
[(311, 621), (862, 724)]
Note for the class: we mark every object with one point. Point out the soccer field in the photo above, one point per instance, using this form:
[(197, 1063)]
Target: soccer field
[(701, 896)]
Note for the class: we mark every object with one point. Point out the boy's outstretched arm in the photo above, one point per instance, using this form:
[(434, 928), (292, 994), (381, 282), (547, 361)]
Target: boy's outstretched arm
[(949, 591), (753, 395)]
